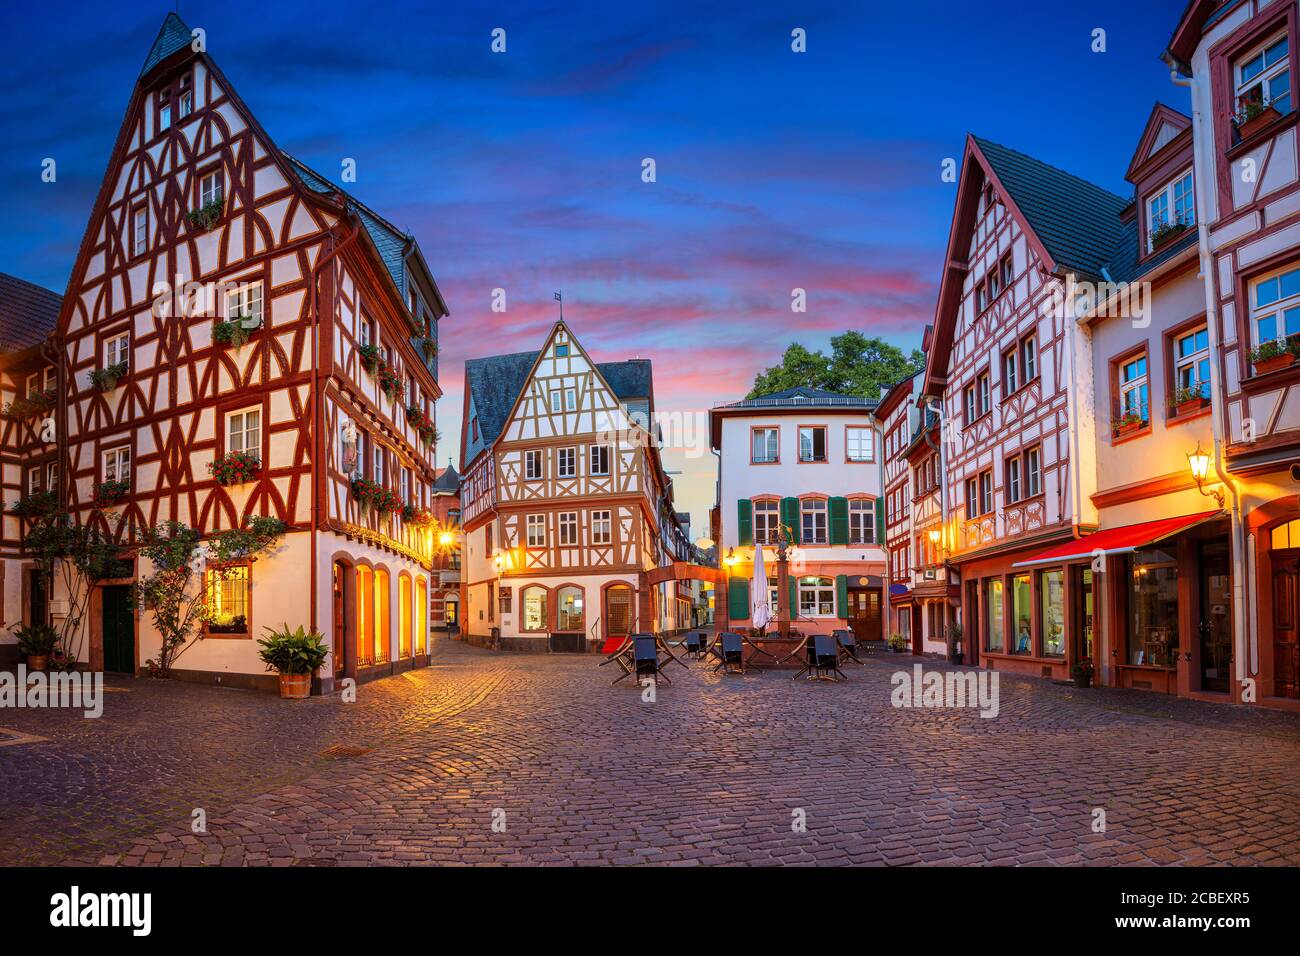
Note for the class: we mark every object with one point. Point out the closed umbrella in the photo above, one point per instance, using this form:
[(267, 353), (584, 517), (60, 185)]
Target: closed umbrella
[(760, 605)]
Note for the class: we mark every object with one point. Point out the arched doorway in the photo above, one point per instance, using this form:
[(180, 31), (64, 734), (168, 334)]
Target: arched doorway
[(618, 614)]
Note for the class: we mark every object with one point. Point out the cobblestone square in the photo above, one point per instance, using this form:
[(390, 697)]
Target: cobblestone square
[(718, 770)]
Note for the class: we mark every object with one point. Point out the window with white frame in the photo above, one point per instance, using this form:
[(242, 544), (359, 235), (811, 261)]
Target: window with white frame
[(1013, 480), (185, 105), (1263, 77), (139, 230), (986, 492), (568, 528), (767, 521), (968, 399), (812, 443), (33, 384), (764, 448), (1171, 207), (244, 431), (117, 464), (601, 527), (599, 455), (1275, 305), (564, 399), (1033, 472), (117, 350), (532, 464), (245, 302), (1029, 358), (813, 512), (817, 597), (33, 481), (862, 521), (51, 476), (50, 378), (536, 531), (1192, 364), (404, 484), (1010, 372), (972, 498), (378, 474), (211, 188), (1134, 394), (566, 462), (164, 111), (983, 393), (859, 443)]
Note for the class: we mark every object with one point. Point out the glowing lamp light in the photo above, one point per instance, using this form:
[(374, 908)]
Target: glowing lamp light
[(934, 536), (1200, 464), (446, 538), (731, 558)]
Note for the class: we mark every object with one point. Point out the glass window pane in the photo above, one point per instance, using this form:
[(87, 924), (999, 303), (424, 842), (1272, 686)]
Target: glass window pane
[(1266, 292), (1051, 586), (1022, 642), (993, 604)]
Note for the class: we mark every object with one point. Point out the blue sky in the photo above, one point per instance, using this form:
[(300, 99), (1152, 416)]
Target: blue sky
[(522, 170)]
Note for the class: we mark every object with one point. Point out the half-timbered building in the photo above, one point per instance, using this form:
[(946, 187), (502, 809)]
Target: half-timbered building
[(900, 419), (241, 337), (564, 501), (29, 461)]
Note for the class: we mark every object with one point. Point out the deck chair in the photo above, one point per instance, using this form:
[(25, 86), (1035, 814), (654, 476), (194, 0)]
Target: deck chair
[(696, 644), (647, 661), (848, 643), (618, 650), (825, 657), (730, 651)]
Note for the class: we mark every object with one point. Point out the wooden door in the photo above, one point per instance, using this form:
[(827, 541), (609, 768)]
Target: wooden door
[(864, 613), (618, 611), (39, 605), (1286, 640), (118, 630), (1215, 630)]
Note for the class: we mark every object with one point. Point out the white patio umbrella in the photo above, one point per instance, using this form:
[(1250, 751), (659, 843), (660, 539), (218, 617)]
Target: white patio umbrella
[(759, 602)]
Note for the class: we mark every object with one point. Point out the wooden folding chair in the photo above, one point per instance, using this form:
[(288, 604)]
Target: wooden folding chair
[(825, 658), (697, 644), (648, 658), (618, 650), (730, 653), (848, 643)]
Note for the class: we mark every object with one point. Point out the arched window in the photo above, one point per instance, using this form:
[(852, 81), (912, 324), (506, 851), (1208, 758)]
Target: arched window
[(569, 609), (404, 616), (421, 614), (383, 639), (618, 610), (365, 615), (1286, 536), (534, 603)]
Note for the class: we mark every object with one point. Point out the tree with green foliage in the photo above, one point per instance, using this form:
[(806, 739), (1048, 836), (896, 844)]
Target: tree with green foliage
[(857, 365), (178, 605)]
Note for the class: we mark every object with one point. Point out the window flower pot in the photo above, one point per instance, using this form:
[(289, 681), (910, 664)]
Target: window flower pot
[(1248, 125), (1126, 427), (1273, 363), (108, 493), (1166, 234), (236, 468), (1190, 406), (29, 406), (389, 382), (205, 217), (36, 505), (106, 379), (235, 332), (369, 358)]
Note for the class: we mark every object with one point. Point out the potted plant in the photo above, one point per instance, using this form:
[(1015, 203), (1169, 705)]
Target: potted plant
[(1253, 114), (235, 331), (36, 505), (1189, 399), (105, 379), (896, 643), (207, 215), (110, 492), (36, 641), (417, 419), (389, 382), (1127, 423), (1081, 671), (369, 358), (954, 644), (30, 406), (236, 468), (296, 655), (375, 496), (1166, 231), (1271, 356)]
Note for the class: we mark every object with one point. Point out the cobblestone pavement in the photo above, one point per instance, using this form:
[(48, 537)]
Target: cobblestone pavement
[(716, 770)]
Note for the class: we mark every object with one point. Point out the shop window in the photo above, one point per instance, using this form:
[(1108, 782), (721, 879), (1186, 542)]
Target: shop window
[(569, 613), (228, 599), (1022, 641), (534, 599), (1152, 577), (995, 632), (1051, 621)]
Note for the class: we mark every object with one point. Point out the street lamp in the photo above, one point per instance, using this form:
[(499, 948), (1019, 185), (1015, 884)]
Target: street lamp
[(731, 558), (1199, 462)]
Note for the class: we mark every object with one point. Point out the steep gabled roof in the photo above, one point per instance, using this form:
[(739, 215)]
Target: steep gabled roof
[(446, 479), (173, 36), (1163, 126), (494, 383), (28, 313), (1076, 221)]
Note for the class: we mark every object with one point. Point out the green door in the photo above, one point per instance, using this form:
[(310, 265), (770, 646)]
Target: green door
[(118, 629)]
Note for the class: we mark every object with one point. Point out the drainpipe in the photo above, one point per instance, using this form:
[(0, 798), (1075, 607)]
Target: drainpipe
[(933, 401), (1072, 328), (1217, 399)]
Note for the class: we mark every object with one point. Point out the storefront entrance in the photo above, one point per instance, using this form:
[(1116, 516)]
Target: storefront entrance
[(118, 629), (864, 613), (1215, 627), (1286, 632)]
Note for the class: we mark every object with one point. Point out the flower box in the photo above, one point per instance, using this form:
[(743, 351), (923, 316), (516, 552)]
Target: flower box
[(207, 216), (106, 379), (36, 505), (1190, 406), (389, 382), (369, 358), (1273, 363), (110, 492), (374, 496), (1254, 118), (236, 468), (29, 406), (421, 422), (1163, 235), (235, 331), (1127, 425)]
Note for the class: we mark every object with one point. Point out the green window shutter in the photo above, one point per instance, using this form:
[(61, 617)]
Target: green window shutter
[(842, 596), (790, 517), (839, 518), (745, 521), (793, 597), (738, 599), (880, 520)]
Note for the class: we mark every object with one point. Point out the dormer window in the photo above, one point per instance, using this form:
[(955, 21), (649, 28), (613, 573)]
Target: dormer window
[(1263, 79), (1171, 211)]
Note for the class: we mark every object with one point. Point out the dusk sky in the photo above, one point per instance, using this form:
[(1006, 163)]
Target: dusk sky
[(522, 170)]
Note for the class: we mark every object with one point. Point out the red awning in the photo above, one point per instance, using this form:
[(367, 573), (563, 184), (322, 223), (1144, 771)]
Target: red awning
[(1121, 540)]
